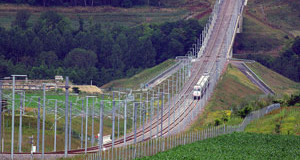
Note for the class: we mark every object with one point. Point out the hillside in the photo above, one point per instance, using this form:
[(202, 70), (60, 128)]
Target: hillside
[(106, 16), (142, 77), (277, 82), (283, 15), (269, 36), (268, 26), (235, 91), (236, 146), (281, 121), (231, 89), (258, 38)]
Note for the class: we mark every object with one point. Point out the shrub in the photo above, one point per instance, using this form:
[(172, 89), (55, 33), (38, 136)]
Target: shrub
[(75, 89), (277, 128), (293, 99), (218, 122), (245, 111), (226, 116)]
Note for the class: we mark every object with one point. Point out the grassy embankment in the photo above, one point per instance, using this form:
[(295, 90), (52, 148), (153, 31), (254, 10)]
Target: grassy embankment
[(237, 146), (142, 77), (233, 89), (279, 83), (281, 121), (258, 38)]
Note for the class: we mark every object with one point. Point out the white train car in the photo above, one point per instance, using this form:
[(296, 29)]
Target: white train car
[(201, 86)]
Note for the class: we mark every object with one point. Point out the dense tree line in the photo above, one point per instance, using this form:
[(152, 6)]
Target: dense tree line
[(287, 64), (51, 46), (116, 3)]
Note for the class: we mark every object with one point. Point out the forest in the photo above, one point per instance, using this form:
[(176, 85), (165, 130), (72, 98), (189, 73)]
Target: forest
[(66, 3), (52, 46)]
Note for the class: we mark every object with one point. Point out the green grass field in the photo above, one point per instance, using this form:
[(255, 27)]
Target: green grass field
[(30, 129), (31, 99), (237, 146), (279, 83), (142, 77), (281, 121)]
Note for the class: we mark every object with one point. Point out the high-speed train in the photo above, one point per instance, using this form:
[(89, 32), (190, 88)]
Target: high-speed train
[(201, 86)]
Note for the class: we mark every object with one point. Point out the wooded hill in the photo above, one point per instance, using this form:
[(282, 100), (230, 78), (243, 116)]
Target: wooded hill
[(52, 46)]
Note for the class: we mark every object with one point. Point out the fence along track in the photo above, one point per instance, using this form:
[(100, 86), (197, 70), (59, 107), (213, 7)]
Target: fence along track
[(154, 146)]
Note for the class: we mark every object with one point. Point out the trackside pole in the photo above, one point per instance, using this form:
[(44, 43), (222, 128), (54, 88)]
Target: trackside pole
[(143, 112), (44, 118), (66, 116), (70, 127), (125, 121), (135, 126), (147, 106), (157, 116), (86, 123), (55, 125), (113, 125), (13, 120), (118, 114), (151, 113), (134, 119), (101, 126), (169, 105), (93, 115), (140, 108), (161, 119), (20, 122), (82, 118), (38, 126)]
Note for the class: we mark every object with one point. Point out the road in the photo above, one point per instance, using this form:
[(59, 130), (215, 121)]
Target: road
[(164, 75), (253, 78)]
